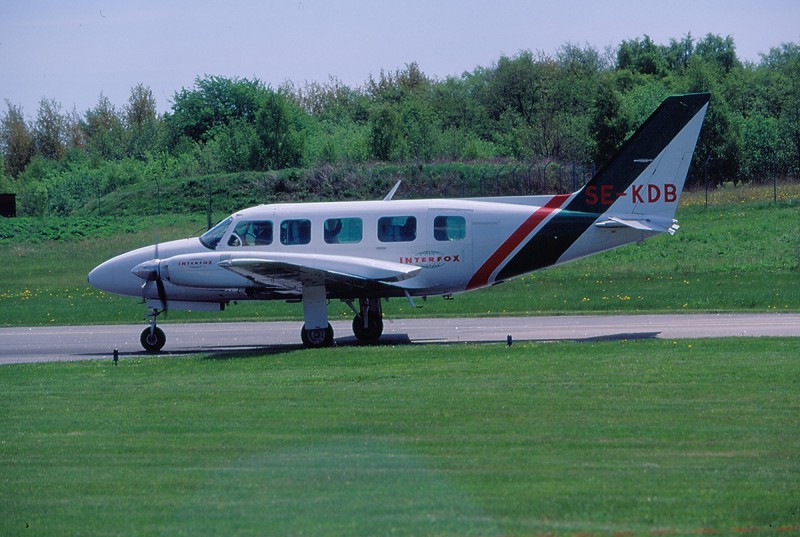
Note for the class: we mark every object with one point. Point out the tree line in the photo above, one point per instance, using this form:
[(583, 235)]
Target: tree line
[(575, 106)]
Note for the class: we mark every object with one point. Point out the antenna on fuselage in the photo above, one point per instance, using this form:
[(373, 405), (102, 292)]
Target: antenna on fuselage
[(390, 195)]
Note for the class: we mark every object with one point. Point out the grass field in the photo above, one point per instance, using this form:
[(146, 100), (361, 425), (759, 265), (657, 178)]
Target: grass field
[(618, 438), (742, 254), (622, 438)]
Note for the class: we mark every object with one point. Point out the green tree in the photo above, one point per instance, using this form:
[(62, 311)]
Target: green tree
[(213, 103), (784, 62), (578, 73), (518, 98), (719, 51), (609, 124), (398, 85), (16, 140), (515, 85), (235, 148), (32, 191), (141, 118), (105, 133), (277, 127), (640, 56), (141, 108), (49, 130), (5, 182), (456, 104), (760, 148), (419, 128), (385, 139), (331, 101), (676, 55), (337, 126)]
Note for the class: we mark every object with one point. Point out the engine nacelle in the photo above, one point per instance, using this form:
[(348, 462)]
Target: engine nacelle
[(200, 270)]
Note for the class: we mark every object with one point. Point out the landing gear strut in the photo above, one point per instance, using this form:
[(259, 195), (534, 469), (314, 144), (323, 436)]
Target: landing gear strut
[(317, 331), (153, 338)]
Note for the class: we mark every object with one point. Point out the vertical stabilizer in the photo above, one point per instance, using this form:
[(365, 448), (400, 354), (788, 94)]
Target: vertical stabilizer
[(633, 196), (647, 174)]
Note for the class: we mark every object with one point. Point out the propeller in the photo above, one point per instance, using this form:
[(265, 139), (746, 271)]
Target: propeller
[(150, 271)]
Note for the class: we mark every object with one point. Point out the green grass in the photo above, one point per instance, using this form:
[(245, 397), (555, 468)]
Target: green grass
[(742, 255), (615, 438)]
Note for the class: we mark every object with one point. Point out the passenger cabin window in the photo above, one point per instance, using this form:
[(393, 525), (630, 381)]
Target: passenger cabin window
[(343, 230), (449, 228), (397, 229), (295, 232), (251, 233)]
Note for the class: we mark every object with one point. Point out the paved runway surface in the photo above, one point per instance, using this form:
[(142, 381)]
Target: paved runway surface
[(45, 344)]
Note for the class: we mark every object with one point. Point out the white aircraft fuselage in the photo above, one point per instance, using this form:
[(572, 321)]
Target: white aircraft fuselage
[(364, 251)]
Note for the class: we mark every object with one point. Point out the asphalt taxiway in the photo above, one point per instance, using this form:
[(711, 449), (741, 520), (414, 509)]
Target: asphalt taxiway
[(58, 343)]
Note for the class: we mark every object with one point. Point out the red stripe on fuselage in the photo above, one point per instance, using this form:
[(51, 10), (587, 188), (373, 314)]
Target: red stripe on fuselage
[(481, 278)]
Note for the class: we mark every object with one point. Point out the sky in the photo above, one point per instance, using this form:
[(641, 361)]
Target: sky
[(73, 51)]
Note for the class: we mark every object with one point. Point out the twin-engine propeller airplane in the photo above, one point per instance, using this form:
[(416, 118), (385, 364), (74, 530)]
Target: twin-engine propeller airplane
[(363, 251)]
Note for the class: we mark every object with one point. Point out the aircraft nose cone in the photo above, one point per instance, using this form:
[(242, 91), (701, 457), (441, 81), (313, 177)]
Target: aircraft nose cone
[(102, 277), (114, 276)]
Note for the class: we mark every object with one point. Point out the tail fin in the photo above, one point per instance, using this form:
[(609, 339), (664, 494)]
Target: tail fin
[(647, 174), (637, 190)]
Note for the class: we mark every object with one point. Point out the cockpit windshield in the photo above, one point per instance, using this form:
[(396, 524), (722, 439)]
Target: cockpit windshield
[(211, 238)]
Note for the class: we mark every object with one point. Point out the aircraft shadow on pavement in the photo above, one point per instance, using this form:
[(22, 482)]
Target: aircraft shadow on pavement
[(234, 352), (618, 337), (231, 353), (391, 340)]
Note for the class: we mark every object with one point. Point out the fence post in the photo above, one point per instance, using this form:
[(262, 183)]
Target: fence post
[(497, 180), (774, 185), (529, 180)]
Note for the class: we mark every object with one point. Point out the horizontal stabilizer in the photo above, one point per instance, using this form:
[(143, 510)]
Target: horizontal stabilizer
[(654, 225)]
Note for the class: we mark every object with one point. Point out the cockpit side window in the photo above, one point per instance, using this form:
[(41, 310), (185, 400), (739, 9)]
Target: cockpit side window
[(210, 239), (251, 233)]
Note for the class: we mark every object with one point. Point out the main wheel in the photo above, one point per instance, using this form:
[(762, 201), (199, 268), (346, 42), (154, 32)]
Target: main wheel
[(317, 337), (153, 342), (370, 333)]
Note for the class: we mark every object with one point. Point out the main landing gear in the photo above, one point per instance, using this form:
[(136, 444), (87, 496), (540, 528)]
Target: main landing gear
[(317, 331), (317, 337), (368, 322), (153, 338)]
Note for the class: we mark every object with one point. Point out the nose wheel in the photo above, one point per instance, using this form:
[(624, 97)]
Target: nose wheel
[(153, 338)]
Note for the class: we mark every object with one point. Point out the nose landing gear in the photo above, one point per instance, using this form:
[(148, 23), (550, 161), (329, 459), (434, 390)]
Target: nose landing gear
[(153, 338)]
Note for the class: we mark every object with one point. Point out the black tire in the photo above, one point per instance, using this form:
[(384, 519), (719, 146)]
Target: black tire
[(372, 332), (318, 337), (153, 342)]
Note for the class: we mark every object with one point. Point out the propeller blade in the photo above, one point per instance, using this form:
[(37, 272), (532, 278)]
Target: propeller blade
[(162, 293)]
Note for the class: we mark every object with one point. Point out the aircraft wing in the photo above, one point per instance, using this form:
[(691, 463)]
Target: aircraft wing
[(292, 271)]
